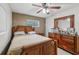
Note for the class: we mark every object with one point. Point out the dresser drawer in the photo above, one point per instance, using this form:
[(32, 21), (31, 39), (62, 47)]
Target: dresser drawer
[(66, 46), (69, 40), (68, 37), (57, 36), (51, 35)]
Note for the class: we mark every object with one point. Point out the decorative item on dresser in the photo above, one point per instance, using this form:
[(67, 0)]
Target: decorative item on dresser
[(67, 42)]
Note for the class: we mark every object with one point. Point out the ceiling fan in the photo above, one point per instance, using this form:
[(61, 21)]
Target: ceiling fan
[(45, 8)]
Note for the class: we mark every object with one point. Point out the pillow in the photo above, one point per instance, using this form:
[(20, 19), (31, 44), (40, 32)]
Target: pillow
[(19, 33), (32, 32)]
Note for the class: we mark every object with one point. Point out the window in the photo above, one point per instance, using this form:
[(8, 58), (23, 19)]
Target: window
[(33, 23)]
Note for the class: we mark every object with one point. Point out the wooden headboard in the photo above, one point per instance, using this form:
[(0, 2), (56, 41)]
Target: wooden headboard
[(22, 28)]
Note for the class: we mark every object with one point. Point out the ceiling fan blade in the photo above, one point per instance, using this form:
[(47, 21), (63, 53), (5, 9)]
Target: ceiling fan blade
[(43, 4), (39, 11), (56, 7), (36, 5)]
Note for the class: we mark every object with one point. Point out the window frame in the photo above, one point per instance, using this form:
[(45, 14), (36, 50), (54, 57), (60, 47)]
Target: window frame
[(38, 23)]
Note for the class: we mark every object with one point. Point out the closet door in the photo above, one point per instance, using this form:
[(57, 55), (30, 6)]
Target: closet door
[(2, 20), (3, 29)]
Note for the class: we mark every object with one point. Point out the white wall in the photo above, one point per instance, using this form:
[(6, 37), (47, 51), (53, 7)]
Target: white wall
[(71, 11), (49, 24), (5, 37)]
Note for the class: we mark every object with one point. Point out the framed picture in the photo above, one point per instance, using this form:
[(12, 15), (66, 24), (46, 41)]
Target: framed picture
[(33, 23)]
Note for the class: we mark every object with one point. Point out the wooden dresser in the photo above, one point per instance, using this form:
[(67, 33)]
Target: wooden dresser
[(54, 36), (69, 43)]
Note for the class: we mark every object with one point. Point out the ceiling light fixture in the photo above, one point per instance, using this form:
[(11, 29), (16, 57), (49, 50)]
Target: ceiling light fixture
[(46, 11), (45, 8)]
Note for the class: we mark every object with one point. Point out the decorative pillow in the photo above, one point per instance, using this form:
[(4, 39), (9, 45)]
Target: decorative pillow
[(32, 32), (19, 33)]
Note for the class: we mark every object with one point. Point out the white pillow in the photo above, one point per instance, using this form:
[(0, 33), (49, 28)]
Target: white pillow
[(19, 33), (32, 32)]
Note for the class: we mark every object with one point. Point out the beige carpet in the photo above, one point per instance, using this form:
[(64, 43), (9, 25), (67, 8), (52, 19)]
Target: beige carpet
[(62, 52)]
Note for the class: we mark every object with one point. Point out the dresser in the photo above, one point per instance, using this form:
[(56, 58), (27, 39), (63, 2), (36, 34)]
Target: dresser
[(55, 37), (69, 43)]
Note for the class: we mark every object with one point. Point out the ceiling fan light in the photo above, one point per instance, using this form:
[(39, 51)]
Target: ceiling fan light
[(47, 11), (44, 11)]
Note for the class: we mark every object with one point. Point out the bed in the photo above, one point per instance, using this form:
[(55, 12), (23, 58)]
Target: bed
[(31, 43)]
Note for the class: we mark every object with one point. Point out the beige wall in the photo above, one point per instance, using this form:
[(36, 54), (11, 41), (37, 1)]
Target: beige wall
[(19, 19)]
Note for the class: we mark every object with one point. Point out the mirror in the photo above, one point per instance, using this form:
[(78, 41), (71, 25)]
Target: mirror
[(64, 23)]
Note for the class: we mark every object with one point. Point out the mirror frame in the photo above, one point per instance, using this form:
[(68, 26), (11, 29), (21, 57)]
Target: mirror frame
[(63, 18)]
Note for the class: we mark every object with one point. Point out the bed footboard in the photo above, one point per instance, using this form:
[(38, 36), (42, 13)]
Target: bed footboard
[(46, 48)]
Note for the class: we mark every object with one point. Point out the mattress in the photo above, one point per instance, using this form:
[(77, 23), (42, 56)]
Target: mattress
[(25, 40)]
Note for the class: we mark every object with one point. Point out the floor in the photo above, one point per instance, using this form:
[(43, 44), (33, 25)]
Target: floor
[(62, 52)]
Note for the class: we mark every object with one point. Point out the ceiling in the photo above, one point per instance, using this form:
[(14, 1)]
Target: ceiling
[(27, 8)]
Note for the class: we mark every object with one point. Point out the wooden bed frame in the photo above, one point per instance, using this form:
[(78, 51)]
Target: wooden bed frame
[(22, 28), (45, 48)]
